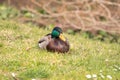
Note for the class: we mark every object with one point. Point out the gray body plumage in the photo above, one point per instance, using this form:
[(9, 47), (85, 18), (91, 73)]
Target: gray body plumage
[(44, 41)]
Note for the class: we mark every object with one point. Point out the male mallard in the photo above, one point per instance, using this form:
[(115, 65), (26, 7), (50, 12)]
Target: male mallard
[(55, 41)]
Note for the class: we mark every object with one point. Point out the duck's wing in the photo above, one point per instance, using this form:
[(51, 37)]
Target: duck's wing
[(57, 45), (43, 42)]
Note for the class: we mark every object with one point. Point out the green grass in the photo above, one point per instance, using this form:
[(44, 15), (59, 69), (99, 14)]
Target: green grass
[(20, 54)]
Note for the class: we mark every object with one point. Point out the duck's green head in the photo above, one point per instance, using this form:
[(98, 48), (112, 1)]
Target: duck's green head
[(57, 33)]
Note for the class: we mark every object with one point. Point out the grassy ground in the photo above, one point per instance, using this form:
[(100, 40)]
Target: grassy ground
[(21, 59)]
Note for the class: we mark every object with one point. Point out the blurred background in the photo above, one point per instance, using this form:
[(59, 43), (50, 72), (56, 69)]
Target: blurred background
[(95, 19)]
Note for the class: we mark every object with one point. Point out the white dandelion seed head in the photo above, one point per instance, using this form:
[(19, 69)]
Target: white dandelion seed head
[(94, 75), (101, 75), (88, 76), (33, 79), (119, 68), (115, 69), (109, 77), (106, 60), (13, 74)]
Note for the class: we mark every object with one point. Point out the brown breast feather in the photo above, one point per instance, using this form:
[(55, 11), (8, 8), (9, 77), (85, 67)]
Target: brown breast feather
[(57, 45)]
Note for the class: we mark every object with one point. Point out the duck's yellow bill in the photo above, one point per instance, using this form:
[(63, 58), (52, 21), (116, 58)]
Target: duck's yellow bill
[(62, 37)]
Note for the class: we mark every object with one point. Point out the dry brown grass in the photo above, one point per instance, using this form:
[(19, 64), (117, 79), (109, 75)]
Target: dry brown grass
[(76, 14)]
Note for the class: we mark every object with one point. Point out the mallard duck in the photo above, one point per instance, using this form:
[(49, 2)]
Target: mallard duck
[(55, 41)]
